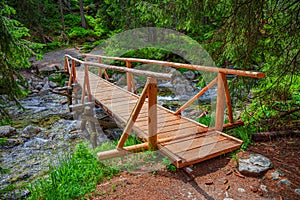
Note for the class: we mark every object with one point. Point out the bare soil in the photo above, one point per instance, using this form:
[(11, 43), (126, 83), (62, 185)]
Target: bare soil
[(216, 178)]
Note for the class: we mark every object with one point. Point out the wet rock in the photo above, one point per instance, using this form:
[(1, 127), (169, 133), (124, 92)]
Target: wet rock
[(37, 143), (190, 75), (256, 165), (31, 131), (10, 143), (113, 134), (52, 84), (297, 191), (7, 131), (284, 182)]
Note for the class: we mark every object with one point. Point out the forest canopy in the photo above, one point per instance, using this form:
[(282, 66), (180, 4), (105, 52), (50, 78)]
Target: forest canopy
[(260, 35)]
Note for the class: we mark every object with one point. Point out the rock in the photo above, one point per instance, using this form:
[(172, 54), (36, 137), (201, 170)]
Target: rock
[(7, 131), (190, 75), (275, 175), (52, 84), (241, 190), (31, 131), (263, 188), (227, 198), (297, 191), (38, 87), (256, 165), (284, 182), (45, 89), (113, 134), (37, 143), (10, 143)]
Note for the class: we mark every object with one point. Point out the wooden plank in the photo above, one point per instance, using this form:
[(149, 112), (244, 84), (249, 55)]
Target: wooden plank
[(195, 156), (199, 142), (208, 150)]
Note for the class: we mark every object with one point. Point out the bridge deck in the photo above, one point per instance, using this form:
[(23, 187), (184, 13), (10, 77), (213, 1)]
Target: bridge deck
[(185, 141)]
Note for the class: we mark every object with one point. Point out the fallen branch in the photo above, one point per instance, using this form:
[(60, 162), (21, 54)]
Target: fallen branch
[(267, 136)]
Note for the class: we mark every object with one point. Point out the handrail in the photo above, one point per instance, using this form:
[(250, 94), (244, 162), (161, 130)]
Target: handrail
[(187, 66), (123, 69)]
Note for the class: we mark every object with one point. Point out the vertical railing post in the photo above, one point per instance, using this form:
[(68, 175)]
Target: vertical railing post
[(88, 87), (73, 71), (227, 96), (99, 69), (128, 77), (152, 113), (220, 104), (66, 64)]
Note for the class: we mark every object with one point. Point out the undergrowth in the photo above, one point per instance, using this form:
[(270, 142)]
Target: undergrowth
[(75, 176)]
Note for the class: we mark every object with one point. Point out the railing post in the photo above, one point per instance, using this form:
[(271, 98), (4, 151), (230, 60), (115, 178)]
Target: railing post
[(228, 101), (220, 104), (152, 113), (66, 64), (99, 69), (73, 71), (128, 77)]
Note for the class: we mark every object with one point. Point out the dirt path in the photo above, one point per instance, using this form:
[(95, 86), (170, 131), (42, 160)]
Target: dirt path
[(214, 179)]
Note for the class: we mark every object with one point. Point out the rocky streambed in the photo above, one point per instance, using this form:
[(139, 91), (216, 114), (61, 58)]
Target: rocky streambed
[(41, 134)]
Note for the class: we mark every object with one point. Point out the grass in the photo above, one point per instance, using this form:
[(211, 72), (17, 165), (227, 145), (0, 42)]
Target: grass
[(75, 176), (79, 173)]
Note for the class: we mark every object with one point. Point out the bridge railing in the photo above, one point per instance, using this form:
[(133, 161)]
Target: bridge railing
[(221, 80), (149, 91)]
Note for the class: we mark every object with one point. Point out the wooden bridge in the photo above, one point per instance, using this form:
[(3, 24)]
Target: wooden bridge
[(183, 140)]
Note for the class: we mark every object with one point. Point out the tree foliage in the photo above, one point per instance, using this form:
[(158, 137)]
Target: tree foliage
[(14, 54), (260, 35)]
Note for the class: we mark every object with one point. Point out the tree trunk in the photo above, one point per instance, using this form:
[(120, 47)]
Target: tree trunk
[(60, 7), (83, 21)]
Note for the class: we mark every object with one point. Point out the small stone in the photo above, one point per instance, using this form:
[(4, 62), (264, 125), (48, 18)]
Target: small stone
[(190, 75), (284, 182), (275, 175), (30, 131), (225, 181), (263, 188), (38, 87), (52, 84), (227, 198), (241, 190), (297, 191)]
